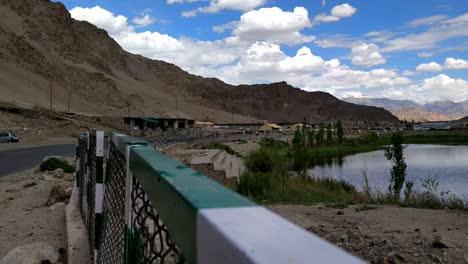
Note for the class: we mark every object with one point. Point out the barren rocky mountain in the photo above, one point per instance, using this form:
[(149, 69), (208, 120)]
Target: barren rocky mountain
[(44, 52), (410, 110)]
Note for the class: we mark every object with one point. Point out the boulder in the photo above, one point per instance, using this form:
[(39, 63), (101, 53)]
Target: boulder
[(439, 243), (58, 173), (38, 252), (56, 194)]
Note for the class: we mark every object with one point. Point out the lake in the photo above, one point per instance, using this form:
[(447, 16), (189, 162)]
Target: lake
[(447, 164)]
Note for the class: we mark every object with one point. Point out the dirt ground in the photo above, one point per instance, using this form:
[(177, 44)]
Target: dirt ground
[(387, 234), (24, 219)]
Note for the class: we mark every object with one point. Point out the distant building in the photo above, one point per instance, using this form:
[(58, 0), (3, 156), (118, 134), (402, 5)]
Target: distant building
[(270, 127), (153, 123), (297, 126), (435, 125), (203, 124)]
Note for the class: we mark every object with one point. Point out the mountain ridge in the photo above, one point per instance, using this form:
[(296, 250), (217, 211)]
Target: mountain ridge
[(410, 110)]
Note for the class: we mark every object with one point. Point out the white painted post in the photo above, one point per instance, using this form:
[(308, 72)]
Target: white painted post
[(99, 194)]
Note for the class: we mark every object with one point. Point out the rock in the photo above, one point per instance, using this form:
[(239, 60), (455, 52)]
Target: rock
[(38, 252), (340, 212), (395, 257), (439, 243), (58, 173), (435, 258), (69, 177), (434, 229), (417, 230), (344, 238), (69, 191), (57, 206), (28, 209), (29, 184), (56, 194), (46, 177)]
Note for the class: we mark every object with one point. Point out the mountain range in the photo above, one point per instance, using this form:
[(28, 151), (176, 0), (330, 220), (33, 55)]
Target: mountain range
[(48, 59), (410, 110)]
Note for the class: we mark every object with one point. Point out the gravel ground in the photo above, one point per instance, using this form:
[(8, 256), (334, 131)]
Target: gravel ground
[(387, 234), (24, 218)]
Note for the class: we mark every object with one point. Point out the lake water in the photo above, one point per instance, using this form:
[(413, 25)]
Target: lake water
[(447, 164)]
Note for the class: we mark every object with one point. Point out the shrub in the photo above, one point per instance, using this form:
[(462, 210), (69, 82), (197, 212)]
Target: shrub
[(242, 141), (254, 184), (54, 163), (264, 160), (369, 137), (272, 143)]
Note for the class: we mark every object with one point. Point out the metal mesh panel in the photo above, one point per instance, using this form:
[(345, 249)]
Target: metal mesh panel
[(83, 159), (112, 239), (91, 190), (152, 242)]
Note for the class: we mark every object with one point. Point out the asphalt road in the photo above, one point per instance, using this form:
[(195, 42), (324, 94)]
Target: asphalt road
[(17, 160)]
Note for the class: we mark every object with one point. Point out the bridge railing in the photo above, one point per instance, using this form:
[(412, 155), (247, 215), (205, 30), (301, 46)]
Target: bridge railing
[(149, 208)]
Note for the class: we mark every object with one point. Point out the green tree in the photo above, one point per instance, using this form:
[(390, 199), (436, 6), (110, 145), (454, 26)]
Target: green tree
[(311, 137), (321, 134), (329, 134), (395, 153), (339, 132), (297, 140)]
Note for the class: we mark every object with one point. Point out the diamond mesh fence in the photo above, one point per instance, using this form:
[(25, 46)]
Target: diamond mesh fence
[(91, 191), (83, 171), (112, 241), (151, 238)]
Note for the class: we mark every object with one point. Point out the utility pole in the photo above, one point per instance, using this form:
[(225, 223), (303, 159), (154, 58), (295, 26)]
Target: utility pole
[(50, 94), (69, 95), (177, 106)]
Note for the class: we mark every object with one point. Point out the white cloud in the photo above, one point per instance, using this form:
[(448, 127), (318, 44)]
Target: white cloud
[(338, 12), (408, 73), (144, 21), (455, 64), (218, 5), (272, 25), (338, 41), (441, 31), (102, 19), (440, 87), (379, 36), (184, 52), (181, 1), (344, 10), (424, 21), (449, 64), (366, 55), (429, 67), (425, 54)]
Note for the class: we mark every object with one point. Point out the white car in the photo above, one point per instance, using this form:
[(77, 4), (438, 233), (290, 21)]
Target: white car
[(8, 137)]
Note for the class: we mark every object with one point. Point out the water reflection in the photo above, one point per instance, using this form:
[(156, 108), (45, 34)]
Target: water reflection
[(447, 164)]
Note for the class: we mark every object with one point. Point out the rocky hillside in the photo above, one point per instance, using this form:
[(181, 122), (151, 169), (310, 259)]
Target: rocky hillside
[(44, 52), (410, 110)]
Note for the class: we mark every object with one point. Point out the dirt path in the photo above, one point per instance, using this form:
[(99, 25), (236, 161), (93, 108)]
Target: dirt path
[(24, 219), (388, 233)]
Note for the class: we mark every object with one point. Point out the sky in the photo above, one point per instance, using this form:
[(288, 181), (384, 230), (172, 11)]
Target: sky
[(411, 49)]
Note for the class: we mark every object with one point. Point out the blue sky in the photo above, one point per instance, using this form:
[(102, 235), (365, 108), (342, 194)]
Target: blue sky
[(397, 49)]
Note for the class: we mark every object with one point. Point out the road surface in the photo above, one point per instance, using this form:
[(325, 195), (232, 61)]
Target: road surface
[(17, 160)]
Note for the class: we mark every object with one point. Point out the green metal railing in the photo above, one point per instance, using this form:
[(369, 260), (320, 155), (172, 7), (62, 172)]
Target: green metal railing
[(154, 209)]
